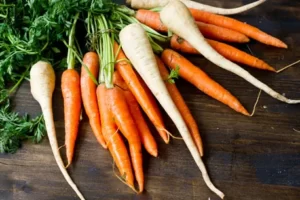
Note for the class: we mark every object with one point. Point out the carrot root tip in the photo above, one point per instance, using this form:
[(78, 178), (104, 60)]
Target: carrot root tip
[(122, 179)]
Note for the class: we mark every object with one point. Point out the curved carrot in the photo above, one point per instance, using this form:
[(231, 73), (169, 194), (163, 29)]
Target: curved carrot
[(121, 113), (181, 105), (88, 94), (152, 20), (115, 143), (236, 25), (70, 86), (145, 99), (201, 80), (147, 139), (225, 50)]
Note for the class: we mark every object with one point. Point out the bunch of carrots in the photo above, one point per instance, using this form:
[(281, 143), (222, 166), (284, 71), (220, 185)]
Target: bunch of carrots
[(121, 77)]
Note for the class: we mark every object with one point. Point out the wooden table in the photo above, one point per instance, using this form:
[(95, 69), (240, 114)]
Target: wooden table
[(255, 158)]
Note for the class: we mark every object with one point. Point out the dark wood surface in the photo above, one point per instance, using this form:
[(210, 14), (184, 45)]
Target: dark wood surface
[(247, 158)]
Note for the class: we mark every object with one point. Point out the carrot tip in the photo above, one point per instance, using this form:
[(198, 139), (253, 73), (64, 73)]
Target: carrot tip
[(246, 40), (69, 163), (154, 153), (166, 136)]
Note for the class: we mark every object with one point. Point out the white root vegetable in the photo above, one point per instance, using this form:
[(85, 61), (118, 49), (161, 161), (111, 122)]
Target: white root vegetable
[(222, 11), (175, 15), (137, 48), (149, 4), (42, 83)]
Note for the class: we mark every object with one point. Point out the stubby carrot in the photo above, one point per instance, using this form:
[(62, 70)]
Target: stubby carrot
[(88, 94), (181, 105), (201, 80), (122, 116), (70, 85), (236, 25), (145, 99), (147, 139), (115, 143), (152, 20), (225, 50)]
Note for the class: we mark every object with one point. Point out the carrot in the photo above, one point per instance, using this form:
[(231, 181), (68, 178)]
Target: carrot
[(201, 80), (176, 15), (121, 114), (225, 50), (137, 48), (236, 25), (148, 4), (88, 94), (221, 33), (115, 143), (70, 86), (42, 84), (152, 20), (145, 99), (144, 131), (181, 105)]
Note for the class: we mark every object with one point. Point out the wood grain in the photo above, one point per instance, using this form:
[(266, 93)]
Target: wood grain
[(247, 158)]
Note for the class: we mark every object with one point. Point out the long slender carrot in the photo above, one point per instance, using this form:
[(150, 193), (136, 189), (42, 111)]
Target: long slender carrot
[(225, 50), (122, 116), (149, 105), (236, 25), (181, 105), (147, 139), (201, 80), (88, 94), (115, 143), (70, 86), (152, 20)]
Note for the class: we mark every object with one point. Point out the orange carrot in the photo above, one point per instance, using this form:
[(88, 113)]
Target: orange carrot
[(201, 80), (121, 113), (181, 105), (70, 85), (144, 98), (221, 33), (114, 141), (225, 50), (145, 134), (88, 94), (152, 20), (236, 25)]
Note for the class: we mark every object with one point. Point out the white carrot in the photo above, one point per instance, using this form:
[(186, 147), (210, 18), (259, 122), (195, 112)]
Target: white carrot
[(137, 48), (42, 83), (175, 15), (148, 4)]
